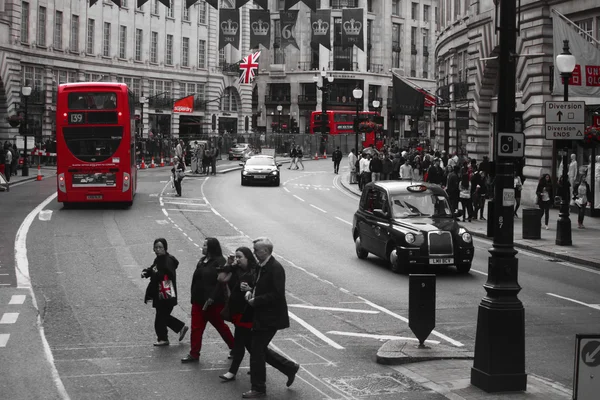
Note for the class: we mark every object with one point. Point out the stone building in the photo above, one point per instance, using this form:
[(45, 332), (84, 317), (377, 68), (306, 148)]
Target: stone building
[(467, 70)]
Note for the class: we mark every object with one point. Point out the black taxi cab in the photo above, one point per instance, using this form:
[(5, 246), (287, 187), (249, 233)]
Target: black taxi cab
[(412, 226)]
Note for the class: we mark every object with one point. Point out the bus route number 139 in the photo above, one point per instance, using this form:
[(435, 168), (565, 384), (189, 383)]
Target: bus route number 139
[(76, 118)]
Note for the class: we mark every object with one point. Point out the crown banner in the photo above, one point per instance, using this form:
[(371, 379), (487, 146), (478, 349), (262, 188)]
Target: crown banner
[(287, 21), (585, 80), (139, 2), (239, 3), (407, 100), (312, 4), (167, 3), (260, 28), (352, 28), (229, 28), (92, 2), (262, 3), (320, 23), (117, 2), (188, 3), (184, 105), (213, 3)]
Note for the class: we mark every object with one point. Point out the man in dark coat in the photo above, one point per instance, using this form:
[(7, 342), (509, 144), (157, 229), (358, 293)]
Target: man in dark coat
[(270, 315), (452, 188), (337, 159), (478, 193), (435, 174)]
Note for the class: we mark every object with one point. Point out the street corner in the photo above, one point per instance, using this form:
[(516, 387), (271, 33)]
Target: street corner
[(397, 352)]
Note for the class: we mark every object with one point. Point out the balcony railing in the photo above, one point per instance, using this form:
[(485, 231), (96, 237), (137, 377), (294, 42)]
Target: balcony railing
[(461, 90), (337, 4), (228, 69), (199, 104), (308, 66), (277, 100), (375, 68), (307, 99), (159, 102), (444, 94)]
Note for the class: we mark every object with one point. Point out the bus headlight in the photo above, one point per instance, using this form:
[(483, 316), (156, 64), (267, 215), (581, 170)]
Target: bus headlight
[(126, 181)]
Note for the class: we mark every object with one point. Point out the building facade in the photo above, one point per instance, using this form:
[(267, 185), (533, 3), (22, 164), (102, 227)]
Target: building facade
[(167, 53), (467, 68)]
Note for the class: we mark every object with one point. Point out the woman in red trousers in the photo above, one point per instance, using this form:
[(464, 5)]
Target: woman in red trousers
[(208, 299)]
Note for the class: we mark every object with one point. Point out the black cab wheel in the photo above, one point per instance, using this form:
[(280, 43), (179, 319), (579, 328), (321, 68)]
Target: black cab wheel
[(396, 265), (360, 252), (463, 268)]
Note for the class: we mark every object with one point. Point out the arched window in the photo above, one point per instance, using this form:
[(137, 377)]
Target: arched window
[(230, 100)]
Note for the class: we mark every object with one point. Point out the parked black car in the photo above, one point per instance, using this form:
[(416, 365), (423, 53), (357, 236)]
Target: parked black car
[(412, 226), (260, 169)]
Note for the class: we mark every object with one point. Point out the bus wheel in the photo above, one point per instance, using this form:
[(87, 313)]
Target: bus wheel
[(67, 206), (128, 204)]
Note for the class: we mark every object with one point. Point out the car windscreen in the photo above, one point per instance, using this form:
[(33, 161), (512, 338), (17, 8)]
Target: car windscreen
[(93, 143), (420, 204), (260, 161), (92, 101)]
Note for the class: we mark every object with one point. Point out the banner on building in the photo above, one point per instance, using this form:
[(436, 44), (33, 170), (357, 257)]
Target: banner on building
[(262, 4), (407, 100), (585, 80), (320, 24), (288, 27), (185, 105), (229, 28), (260, 28), (239, 3), (352, 28), (312, 4)]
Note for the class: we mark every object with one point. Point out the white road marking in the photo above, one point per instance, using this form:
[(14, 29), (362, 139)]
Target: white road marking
[(594, 306), (184, 203), (165, 212), (4, 339), (286, 189), (401, 318), (344, 221), (315, 331), (338, 186), (24, 282), (17, 299), (351, 310), (162, 222), (320, 209), (299, 198), (184, 210), (479, 272), (9, 318), (378, 337)]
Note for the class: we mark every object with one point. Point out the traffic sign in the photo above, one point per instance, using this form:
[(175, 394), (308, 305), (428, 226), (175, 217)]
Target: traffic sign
[(564, 120), (443, 114), (510, 145), (587, 366)]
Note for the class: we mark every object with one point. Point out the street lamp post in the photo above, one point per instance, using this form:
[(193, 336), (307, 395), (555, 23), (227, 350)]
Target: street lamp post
[(499, 357), (26, 92), (376, 104), (565, 62), (357, 93), (325, 89), (279, 109)]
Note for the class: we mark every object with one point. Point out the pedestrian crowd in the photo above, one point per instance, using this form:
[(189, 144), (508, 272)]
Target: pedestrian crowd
[(247, 289)]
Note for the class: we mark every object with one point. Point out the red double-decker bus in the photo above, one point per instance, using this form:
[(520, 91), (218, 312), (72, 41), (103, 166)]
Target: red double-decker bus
[(342, 122), (95, 143)]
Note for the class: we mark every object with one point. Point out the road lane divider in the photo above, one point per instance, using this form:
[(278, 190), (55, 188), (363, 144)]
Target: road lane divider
[(593, 306), (315, 331), (350, 310), (320, 209), (380, 337)]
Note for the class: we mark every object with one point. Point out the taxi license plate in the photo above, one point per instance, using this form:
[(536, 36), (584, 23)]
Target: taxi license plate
[(260, 177), (94, 197), (441, 261)]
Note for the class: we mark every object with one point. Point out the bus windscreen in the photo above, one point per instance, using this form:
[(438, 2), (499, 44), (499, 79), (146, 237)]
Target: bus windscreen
[(93, 143), (92, 101)]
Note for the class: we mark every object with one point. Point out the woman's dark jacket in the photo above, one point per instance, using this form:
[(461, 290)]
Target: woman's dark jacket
[(540, 190), (204, 281), (162, 265), (270, 307), (237, 300)]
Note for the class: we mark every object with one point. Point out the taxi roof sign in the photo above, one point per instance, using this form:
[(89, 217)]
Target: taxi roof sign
[(417, 188)]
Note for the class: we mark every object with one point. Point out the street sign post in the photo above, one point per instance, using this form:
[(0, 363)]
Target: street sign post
[(443, 114), (586, 384), (564, 120), (510, 145)]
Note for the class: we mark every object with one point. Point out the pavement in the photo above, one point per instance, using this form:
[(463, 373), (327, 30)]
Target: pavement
[(446, 369)]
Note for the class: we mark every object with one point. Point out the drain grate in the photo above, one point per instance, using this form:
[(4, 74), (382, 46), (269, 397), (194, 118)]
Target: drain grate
[(375, 384)]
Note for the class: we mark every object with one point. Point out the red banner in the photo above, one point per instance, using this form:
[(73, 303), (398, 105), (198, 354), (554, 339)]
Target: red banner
[(185, 105)]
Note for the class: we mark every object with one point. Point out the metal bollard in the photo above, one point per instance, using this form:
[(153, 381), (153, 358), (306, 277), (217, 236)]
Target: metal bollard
[(421, 305)]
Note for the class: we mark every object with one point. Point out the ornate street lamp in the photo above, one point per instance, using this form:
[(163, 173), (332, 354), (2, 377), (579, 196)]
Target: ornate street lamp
[(279, 109), (565, 63), (357, 93), (25, 92), (325, 88)]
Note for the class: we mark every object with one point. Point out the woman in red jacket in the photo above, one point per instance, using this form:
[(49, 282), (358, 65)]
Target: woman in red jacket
[(208, 299)]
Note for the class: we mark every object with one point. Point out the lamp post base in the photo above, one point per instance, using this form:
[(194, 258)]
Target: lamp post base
[(25, 170), (563, 230)]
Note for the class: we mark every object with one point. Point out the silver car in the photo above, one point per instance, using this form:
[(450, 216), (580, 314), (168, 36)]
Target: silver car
[(240, 151)]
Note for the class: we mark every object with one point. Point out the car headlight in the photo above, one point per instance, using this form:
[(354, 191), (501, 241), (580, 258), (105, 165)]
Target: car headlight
[(244, 172), (466, 236), (275, 172), (409, 238)]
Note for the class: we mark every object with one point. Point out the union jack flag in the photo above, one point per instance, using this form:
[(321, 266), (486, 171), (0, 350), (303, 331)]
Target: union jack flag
[(249, 66)]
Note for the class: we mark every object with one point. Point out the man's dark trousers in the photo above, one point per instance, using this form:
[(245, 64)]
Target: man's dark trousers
[(336, 166), (258, 358)]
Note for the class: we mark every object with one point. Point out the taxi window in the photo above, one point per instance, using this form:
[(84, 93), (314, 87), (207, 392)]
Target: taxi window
[(375, 199), (420, 204)]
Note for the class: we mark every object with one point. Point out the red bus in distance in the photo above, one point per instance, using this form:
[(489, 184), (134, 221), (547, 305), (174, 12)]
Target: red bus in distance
[(342, 122), (95, 143)]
